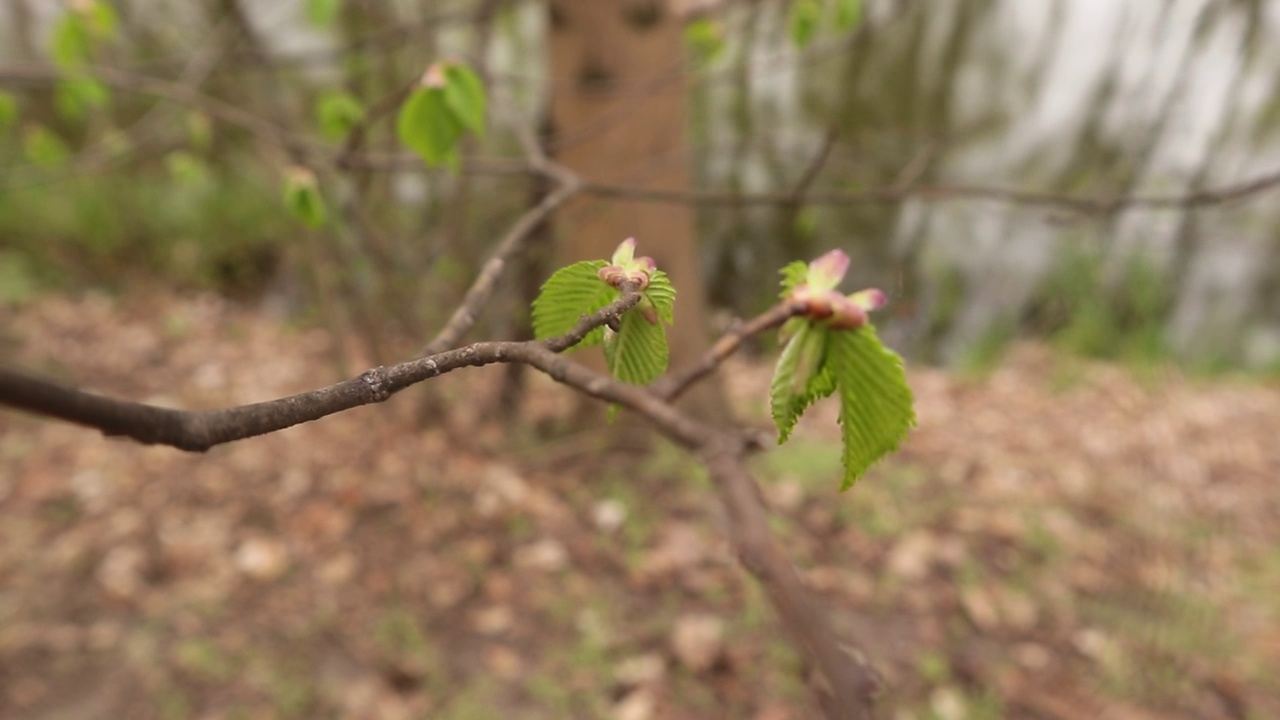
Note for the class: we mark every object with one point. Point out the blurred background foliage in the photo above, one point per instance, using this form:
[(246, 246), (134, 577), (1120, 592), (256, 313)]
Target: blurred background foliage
[(150, 141)]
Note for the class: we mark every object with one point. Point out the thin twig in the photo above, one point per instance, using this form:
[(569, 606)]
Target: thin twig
[(673, 386), (816, 164), (847, 681), (938, 193)]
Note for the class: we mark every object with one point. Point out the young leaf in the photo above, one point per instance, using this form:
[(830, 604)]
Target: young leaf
[(705, 37), (464, 94), (876, 404), (76, 96), (794, 275), (302, 197), (802, 22), (848, 13), (429, 127), (70, 43), (800, 377), (637, 353), (569, 294), (338, 112), (100, 19), (663, 295)]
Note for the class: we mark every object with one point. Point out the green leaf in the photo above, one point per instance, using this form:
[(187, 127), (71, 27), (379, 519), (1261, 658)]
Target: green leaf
[(338, 112), (876, 404), (429, 127), (705, 37), (663, 295), (8, 110), (302, 197), (569, 294), (101, 20), (803, 20), (43, 147), (848, 13), (464, 94), (637, 353), (794, 275), (800, 377), (323, 13), (70, 43), (77, 96)]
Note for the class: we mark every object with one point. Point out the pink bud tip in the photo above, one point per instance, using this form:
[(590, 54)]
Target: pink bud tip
[(869, 299), (826, 272)]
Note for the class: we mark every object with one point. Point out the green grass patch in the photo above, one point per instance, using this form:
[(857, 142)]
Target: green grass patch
[(221, 231)]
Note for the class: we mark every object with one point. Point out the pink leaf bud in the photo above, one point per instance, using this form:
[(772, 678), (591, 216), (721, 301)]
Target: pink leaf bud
[(826, 272), (869, 299)]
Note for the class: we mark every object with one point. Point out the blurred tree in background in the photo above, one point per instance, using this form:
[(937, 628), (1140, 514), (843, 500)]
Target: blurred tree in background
[(1008, 187)]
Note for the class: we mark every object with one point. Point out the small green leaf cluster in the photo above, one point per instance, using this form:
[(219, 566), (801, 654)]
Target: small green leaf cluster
[(449, 101), (302, 197), (830, 345), (831, 348), (705, 38), (337, 113), (79, 30), (804, 18), (78, 33), (635, 349)]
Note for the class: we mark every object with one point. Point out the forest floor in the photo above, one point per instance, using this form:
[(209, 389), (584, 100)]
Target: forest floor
[(1058, 540)]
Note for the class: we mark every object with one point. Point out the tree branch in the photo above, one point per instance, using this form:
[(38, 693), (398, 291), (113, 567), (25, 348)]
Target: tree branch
[(673, 386), (199, 430), (847, 683), (936, 193)]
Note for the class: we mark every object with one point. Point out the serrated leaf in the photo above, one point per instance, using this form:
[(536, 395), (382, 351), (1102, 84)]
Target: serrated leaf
[(876, 404), (338, 112), (429, 127), (464, 94), (794, 274), (8, 110), (848, 13), (803, 20), (566, 296), (637, 353), (663, 295), (800, 378)]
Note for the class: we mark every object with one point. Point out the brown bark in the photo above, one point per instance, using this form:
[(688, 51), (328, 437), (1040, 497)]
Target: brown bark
[(618, 112)]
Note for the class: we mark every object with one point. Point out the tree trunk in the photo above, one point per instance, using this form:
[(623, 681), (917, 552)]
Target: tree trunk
[(618, 116)]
